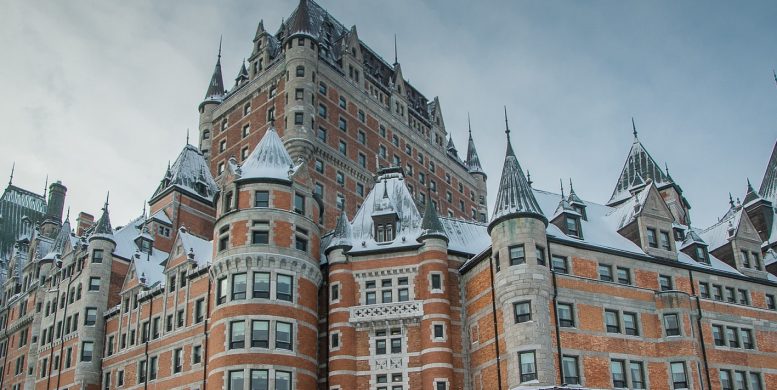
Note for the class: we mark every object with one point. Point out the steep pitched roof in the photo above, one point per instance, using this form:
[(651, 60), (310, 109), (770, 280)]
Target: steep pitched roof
[(61, 241), (216, 86), (430, 224), (189, 173), (768, 188), (341, 236), (103, 226), (639, 167), (473, 161), (515, 195), (269, 160), (451, 148), (751, 194)]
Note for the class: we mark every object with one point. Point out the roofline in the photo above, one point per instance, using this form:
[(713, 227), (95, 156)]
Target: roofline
[(170, 188), (518, 214)]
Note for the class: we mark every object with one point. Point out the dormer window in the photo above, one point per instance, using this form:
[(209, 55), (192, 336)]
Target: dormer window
[(384, 232), (573, 226), (145, 246), (701, 254), (580, 210)]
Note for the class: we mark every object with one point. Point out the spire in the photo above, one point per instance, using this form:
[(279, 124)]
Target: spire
[(396, 60), (510, 151), (341, 236), (473, 161), (189, 173), (751, 193), (103, 225), (216, 86), (561, 182), (515, 197), (731, 200), (528, 178), (430, 224), (259, 29), (768, 188), (45, 186), (573, 198), (187, 142), (451, 148), (301, 22), (634, 129), (13, 168)]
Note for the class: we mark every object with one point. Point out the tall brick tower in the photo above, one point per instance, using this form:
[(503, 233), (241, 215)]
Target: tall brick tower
[(266, 273)]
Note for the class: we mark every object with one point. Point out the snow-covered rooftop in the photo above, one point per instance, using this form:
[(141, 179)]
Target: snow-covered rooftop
[(269, 160), (190, 173), (201, 248)]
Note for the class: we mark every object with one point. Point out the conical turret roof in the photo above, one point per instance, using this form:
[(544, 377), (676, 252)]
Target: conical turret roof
[(451, 148), (473, 161), (103, 226), (269, 160), (341, 237), (216, 85), (60, 241), (430, 224), (515, 196), (751, 194)]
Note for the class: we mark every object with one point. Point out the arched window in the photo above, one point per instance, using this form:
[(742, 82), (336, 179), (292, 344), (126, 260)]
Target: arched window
[(300, 71)]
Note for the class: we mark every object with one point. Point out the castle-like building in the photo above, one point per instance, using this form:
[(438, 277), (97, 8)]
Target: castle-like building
[(327, 235)]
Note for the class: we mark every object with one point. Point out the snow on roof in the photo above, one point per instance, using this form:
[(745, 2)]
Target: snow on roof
[(202, 249), (466, 236), (627, 212), (161, 216), (639, 165), (409, 219), (149, 265), (190, 173), (715, 263), (269, 160), (718, 235), (770, 257), (515, 194)]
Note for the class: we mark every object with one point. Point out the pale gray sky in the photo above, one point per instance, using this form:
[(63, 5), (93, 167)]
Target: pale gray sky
[(99, 94)]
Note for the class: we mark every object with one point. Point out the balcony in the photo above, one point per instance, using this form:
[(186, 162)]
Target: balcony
[(386, 313)]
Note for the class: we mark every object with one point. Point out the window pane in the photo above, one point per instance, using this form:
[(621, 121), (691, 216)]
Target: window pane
[(282, 380), (236, 380), (259, 380), (261, 288), (284, 288)]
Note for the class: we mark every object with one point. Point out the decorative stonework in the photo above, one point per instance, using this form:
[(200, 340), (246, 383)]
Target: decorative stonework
[(266, 261), (386, 313)]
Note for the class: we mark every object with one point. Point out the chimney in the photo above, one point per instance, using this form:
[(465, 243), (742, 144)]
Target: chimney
[(83, 222), (56, 202)]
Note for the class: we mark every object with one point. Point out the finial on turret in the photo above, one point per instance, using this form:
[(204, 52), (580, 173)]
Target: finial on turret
[(510, 151), (220, 38), (67, 216), (469, 126), (775, 76), (13, 168), (571, 189), (45, 186), (107, 197), (528, 178), (633, 128), (187, 136), (561, 182), (730, 200)]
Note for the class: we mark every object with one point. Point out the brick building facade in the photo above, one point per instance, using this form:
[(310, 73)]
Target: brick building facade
[(325, 235)]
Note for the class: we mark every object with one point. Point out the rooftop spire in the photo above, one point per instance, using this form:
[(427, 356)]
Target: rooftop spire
[(430, 224), (561, 182), (45, 186), (730, 200), (216, 86), (396, 60), (768, 188), (469, 126), (103, 225), (515, 197), (13, 168), (473, 161), (187, 142), (634, 128), (751, 193)]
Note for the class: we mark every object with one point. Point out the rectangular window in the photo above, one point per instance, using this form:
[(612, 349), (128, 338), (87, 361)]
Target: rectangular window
[(199, 314), (717, 335), (87, 349), (755, 381), (745, 259), (97, 256), (744, 297), (612, 321), (259, 380), (262, 199), (770, 302), (260, 233), (91, 316), (517, 255), (261, 285), (361, 137), (747, 338), (343, 148), (540, 252), (236, 380), (299, 204), (94, 283), (717, 292), (260, 334), (334, 292), (630, 324), (237, 335), (679, 377), (221, 295), (618, 370), (572, 226), (238, 286), (142, 370), (624, 275), (282, 380), (283, 335), (522, 311), (730, 295), (566, 318), (436, 281), (637, 375), (284, 284), (665, 243), (671, 324), (321, 134), (725, 380), (322, 110), (570, 370), (704, 290), (439, 331), (528, 366), (559, 264), (152, 368), (342, 124), (665, 282), (605, 272), (651, 237), (197, 354), (732, 337), (177, 360)]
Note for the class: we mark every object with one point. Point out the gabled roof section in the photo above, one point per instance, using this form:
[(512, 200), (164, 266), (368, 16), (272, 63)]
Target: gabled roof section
[(451, 148), (751, 194), (62, 241), (723, 231), (768, 188), (515, 196), (312, 20), (269, 160), (691, 238), (190, 174), (196, 248), (639, 167)]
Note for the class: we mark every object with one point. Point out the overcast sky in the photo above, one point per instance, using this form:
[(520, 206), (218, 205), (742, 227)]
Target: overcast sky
[(99, 94)]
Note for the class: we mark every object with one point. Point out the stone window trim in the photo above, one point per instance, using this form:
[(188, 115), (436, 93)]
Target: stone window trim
[(570, 322), (272, 321), (338, 287), (668, 320), (335, 334), (249, 286), (431, 280), (271, 371), (441, 381), (744, 336), (628, 365), (432, 335), (520, 314)]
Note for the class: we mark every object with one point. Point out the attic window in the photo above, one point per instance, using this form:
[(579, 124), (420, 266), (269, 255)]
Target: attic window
[(701, 255), (384, 232), (651, 237), (573, 226), (145, 246)]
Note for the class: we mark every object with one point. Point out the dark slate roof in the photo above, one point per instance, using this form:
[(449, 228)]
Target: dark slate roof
[(216, 85), (189, 173), (751, 193), (103, 225), (451, 148), (430, 224), (473, 161), (60, 242), (15, 204), (311, 19), (769, 183), (515, 195), (639, 167), (341, 236)]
